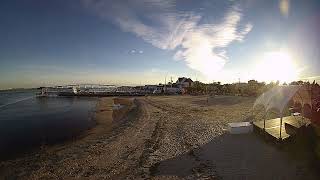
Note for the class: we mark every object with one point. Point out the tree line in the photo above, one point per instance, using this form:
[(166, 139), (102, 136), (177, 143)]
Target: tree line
[(251, 88)]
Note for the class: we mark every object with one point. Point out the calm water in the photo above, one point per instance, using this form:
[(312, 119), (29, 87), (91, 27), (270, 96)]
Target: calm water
[(28, 122)]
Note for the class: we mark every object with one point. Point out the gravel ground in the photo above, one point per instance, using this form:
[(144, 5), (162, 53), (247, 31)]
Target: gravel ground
[(166, 137)]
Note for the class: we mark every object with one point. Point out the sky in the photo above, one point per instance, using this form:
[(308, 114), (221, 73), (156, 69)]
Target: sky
[(136, 42)]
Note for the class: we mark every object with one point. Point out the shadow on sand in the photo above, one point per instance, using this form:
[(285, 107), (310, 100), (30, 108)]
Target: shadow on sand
[(246, 156)]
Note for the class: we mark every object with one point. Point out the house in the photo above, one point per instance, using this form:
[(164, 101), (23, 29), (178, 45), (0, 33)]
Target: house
[(170, 88), (184, 82)]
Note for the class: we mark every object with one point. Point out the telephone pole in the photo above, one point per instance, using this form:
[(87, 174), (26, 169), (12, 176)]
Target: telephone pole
[(165, 83)]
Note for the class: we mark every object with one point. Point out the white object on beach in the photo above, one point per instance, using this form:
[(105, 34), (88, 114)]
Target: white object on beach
[(240, 128), (296, 114), (117, 106)]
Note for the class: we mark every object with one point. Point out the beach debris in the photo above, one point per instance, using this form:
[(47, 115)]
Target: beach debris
[(117, 106)]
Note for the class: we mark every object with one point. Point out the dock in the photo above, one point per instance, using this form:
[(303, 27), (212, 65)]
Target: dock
[(290, 125)]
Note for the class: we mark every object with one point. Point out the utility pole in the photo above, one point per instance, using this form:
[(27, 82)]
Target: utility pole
[(165, 82)]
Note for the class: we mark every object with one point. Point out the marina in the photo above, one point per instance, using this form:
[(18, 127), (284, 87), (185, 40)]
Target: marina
[(92, 90)]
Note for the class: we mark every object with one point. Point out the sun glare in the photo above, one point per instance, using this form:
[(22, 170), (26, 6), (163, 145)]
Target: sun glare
[(276, 66)]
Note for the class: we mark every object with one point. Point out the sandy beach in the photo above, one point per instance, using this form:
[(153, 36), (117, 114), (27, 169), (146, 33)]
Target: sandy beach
[(164, 137)]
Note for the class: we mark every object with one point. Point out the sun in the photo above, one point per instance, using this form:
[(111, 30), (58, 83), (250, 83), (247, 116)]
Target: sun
[(276, 66)]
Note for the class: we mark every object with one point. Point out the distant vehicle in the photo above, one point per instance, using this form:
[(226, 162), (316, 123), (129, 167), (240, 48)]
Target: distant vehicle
[(157, 91)]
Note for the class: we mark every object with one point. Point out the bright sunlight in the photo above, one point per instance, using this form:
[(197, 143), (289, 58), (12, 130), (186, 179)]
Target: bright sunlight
[(276, 66)]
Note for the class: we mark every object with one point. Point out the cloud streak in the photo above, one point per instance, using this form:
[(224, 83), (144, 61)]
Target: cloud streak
[(201, 45)]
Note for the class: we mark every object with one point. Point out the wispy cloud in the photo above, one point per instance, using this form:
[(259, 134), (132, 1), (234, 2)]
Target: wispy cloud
[(201, 45)]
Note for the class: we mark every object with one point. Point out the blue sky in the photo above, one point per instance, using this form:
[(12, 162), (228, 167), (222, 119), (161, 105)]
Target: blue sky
[(135, 42)]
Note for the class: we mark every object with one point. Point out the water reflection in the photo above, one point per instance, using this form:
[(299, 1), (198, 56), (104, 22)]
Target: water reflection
[(38, 121)]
